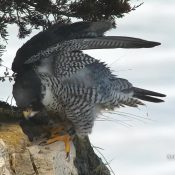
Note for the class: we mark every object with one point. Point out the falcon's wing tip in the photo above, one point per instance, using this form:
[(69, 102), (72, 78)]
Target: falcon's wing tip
[(162, 95), (154, 43)]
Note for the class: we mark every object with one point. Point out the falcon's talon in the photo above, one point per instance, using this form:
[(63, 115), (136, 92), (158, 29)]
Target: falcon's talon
[(43, 143), (68, 156), (65, 138)]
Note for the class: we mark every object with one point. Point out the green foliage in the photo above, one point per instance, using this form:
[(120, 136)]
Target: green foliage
[(100, 9), (7, 74)]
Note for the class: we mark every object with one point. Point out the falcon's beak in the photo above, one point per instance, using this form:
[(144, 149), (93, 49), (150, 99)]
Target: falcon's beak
[(29, 113)]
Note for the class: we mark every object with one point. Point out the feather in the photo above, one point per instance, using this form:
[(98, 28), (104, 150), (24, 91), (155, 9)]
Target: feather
[(147, 95), (106, 42)]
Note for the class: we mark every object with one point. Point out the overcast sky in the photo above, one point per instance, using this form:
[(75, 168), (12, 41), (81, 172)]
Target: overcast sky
[(137, 143)]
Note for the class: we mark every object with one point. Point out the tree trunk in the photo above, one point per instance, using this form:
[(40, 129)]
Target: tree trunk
[(19, 156)]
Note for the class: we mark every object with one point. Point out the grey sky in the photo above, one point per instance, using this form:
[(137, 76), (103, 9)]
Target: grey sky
[(139, 149)]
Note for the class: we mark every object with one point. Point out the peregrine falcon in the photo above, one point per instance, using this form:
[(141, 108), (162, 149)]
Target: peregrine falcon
[(54, 74)]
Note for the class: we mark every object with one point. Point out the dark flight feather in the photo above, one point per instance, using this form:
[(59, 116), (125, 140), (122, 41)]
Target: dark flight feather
[(147, 95)]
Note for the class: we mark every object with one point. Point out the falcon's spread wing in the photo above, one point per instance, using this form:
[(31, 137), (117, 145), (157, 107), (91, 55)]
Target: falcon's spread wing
[(71, 82), (73, 37)]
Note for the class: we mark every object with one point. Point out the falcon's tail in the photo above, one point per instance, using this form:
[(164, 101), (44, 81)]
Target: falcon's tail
[(147, 95), (124, 93)]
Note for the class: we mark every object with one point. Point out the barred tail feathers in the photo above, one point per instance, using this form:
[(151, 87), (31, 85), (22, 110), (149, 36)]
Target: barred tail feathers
[(123, 93)]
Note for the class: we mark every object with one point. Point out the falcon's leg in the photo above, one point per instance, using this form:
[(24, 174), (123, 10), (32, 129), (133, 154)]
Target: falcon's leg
[(65, 138), (56, 130), (61, 134)]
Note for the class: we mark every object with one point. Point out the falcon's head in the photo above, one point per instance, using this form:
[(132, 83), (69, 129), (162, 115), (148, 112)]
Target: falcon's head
[(27, 93)]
